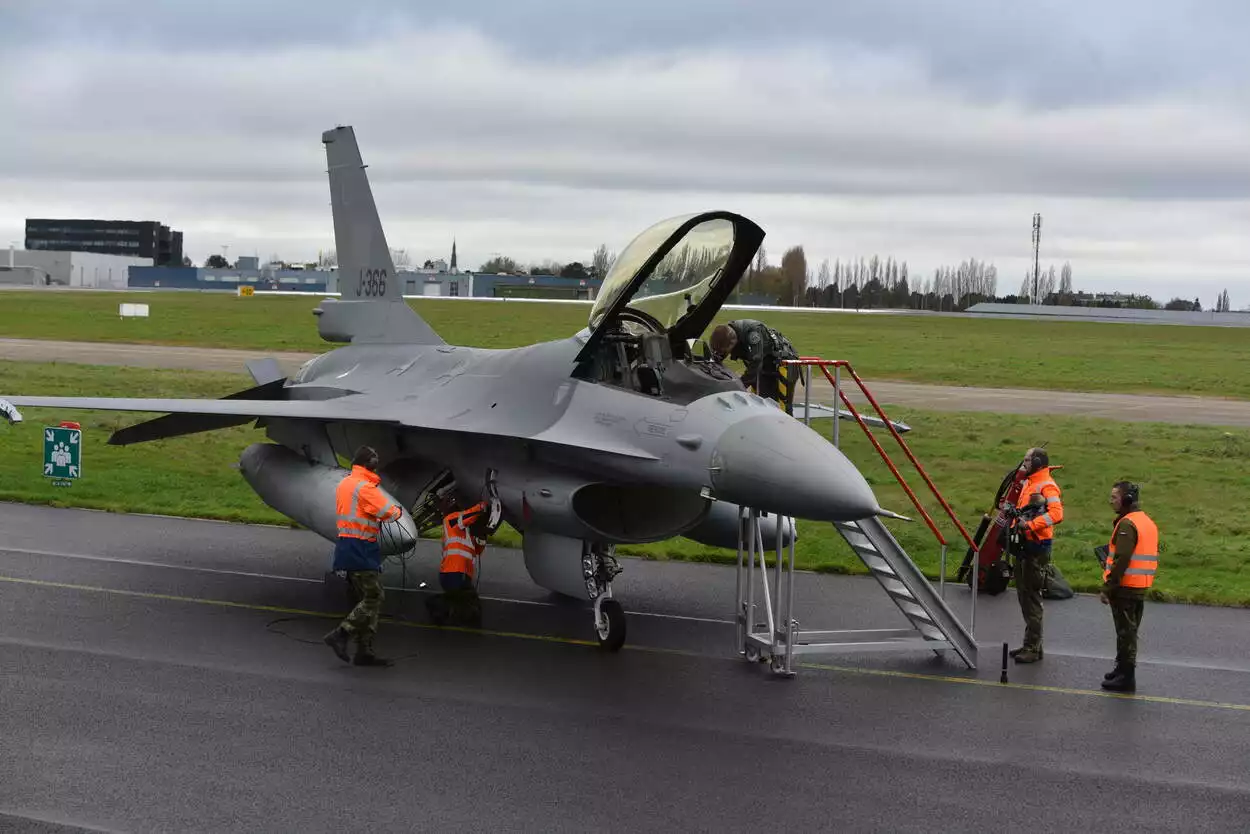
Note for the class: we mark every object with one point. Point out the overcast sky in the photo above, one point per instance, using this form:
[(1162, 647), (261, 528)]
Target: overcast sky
[(930, 131)]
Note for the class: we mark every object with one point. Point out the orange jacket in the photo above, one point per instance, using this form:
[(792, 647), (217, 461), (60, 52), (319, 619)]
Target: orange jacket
[(1144, 560), (361, 507), (1041, 528), (460, 547)]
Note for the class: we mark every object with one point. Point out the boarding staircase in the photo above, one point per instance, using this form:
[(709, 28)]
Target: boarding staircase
[(933, 625), (908, 588)]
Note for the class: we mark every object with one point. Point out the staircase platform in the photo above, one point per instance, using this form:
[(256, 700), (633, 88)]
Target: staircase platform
[(778, 638)]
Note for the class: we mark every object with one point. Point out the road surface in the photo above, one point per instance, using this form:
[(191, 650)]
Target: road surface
[(167, 675)]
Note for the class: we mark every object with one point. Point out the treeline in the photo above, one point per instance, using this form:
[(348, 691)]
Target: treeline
[(600, 263), (875, 283)]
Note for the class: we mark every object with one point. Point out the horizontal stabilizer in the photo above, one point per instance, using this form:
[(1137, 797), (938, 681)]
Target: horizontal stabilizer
[(177, 425), (819, 412), (264, 371)]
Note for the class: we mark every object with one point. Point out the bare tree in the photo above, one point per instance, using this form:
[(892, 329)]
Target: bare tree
[(500, 263), (328, 259), (1046, 286), (823, 277), (1065, 279), (401, 258), (601, 262), (545, 267)]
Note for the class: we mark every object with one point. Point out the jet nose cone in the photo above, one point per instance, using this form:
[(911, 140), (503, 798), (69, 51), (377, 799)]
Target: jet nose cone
[(773, 462)]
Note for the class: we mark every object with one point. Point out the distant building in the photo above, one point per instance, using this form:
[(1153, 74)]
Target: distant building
[(88, 270), (134, 238), (534, 286), (229, 280)]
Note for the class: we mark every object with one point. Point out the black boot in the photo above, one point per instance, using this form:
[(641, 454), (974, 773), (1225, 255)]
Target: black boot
[(1126, 681), (337, 640), (1119, 667)]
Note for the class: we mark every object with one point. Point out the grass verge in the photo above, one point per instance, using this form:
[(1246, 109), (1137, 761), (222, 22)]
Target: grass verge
[(1193, 479), (1051, 355)]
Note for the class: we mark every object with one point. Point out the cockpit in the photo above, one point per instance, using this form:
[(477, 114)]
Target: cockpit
[(660, 295)]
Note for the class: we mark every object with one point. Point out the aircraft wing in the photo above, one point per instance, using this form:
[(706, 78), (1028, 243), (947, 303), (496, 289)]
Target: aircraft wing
[(339, 408), (206, 415)]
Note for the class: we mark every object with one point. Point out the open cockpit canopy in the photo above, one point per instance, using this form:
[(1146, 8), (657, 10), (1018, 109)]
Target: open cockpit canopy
[(677, 273)]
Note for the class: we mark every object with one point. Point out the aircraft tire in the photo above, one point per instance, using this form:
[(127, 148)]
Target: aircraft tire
[(612, 633)]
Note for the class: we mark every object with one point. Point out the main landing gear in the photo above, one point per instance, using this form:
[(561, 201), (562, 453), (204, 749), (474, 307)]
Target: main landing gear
[(599, 567)]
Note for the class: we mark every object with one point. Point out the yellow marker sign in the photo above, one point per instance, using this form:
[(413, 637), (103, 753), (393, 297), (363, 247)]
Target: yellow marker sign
[(245, 290)]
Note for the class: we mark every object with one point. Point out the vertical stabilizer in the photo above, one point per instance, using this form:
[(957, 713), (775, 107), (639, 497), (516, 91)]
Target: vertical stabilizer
[(366, 273)]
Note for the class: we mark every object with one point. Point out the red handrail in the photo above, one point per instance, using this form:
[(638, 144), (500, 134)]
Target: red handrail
[(824, 365)]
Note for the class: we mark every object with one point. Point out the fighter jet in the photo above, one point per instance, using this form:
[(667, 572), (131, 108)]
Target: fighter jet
[(617, 434)]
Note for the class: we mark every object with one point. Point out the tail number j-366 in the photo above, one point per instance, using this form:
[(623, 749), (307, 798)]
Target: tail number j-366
[(372, 283)]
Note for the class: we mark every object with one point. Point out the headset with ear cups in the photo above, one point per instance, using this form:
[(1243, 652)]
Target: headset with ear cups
[(1129, 492)]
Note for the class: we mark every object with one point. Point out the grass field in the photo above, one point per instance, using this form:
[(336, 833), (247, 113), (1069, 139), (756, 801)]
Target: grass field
[(1193, 478), (1076, 356)]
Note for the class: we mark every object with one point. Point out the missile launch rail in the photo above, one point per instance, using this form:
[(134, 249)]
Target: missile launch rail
[(778, 638)]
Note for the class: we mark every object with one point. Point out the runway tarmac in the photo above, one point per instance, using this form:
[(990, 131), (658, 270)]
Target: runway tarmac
[(1126, 407), (165, 674)]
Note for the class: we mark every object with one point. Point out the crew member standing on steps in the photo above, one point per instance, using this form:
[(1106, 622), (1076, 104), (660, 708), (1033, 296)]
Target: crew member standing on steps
[(1039, 509), (1129, 573), (761, 349), (361, 509)]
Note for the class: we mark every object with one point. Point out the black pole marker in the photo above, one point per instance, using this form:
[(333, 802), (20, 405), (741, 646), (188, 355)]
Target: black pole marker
[(1002, 678)]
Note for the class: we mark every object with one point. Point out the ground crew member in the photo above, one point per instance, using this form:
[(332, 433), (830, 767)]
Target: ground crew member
[(463, 545), (761, 349), (361, 509), (1129, 572), (1038, 510)]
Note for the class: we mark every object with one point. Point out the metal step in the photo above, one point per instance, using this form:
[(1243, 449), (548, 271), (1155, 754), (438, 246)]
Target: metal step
[(914, 595)]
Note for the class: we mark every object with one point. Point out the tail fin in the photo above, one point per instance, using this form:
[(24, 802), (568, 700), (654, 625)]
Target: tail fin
[(368, 285)]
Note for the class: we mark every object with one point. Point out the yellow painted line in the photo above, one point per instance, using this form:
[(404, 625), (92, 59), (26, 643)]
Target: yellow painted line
[(1028, 687), (571, 641), (277, 609)]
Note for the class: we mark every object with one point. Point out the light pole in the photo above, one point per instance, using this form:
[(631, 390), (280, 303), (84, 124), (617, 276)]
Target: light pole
[(1037, 240)]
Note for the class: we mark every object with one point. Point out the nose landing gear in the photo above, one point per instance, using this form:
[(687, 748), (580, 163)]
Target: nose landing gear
[(599, 567)]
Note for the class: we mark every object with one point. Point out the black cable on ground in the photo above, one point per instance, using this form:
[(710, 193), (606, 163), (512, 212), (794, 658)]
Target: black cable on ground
[(269, 626)]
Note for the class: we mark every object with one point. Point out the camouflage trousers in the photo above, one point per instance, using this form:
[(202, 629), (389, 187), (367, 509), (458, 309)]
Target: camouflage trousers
[(362, 622), (1030, 580), (1126, 612)]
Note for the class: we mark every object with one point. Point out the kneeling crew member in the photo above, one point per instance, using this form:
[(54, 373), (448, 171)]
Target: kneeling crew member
[(1038, 533), (1129, 573), (361, 509), (463, 545), (761, 349)]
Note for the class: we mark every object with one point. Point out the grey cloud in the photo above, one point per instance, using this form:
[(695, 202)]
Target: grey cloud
[(538, 148), (767, 123), (1046, 53)]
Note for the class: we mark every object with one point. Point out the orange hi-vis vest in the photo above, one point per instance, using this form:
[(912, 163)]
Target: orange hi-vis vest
[(1042, 528), (361, 507), (460, 547), (1142, 565)]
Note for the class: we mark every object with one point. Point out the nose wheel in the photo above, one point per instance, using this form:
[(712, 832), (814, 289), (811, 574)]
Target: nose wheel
[(609, 624), (599, 567)]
